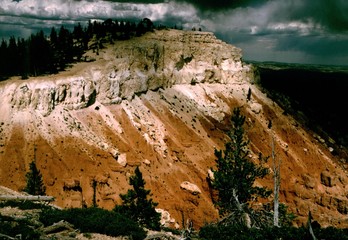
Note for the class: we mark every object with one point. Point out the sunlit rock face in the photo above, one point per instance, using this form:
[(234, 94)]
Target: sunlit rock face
[(157, 60), (162, 102)]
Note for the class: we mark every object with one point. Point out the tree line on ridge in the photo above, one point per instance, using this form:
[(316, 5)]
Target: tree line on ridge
[(40, 54)]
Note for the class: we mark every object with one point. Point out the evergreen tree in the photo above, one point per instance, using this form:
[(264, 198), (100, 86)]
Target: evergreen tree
[(64, 47), (78, 32), (3, 60), (53, 36), (24, 58), (54, 53), (35, 185), (78, 45), (39, 53), (235, 174), (137, 206), (13, 57), (89, 30)]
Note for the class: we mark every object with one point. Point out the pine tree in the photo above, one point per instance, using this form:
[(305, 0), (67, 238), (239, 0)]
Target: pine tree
[(13, 57), (137, 206), (4, 63), (35, 185), (235, 174), (54, 53)]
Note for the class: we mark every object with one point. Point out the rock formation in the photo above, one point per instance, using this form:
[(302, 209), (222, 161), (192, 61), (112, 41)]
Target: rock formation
[(162, 102), (132, 67)]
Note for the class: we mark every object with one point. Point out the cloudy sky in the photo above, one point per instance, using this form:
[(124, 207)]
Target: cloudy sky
[(301, 31)]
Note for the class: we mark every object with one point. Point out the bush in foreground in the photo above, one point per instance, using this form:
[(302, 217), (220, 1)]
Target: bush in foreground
[(95, 220), (12, 228), (23, 205), (234, 232)]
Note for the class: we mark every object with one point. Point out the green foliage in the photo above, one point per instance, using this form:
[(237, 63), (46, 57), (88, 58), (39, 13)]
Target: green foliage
[(232, 232), (331, 233), (137, 206), (212, 231), (23, 205), (145, 25), (235, 171), (171, 230), (95, 220), (10, 227), (35, 185), (285, 217)]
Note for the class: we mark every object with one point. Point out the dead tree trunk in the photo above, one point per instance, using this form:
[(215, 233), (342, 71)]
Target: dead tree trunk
[(245, 216), (310, 229), (276, 178), (26, 198), (59, 227), (6, 237)]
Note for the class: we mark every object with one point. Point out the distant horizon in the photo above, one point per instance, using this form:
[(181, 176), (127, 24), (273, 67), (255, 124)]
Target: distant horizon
[(295, 63)]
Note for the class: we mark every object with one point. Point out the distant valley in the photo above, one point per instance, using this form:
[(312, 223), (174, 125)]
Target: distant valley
[(315, 94)]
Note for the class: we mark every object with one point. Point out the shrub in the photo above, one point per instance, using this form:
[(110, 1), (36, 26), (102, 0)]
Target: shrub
[(226, 232), (23, 205), (95, 220), (11, 227), (234, 232), (331, 233)]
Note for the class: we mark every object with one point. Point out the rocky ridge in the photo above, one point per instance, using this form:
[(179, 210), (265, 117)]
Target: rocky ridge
[(154, 61), (161, 102)]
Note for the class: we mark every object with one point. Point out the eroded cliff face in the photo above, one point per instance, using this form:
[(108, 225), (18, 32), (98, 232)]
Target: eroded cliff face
[(157, 60), (161, 102)]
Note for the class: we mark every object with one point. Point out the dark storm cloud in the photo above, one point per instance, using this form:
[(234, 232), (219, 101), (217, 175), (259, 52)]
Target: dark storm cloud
[(207, 5), (138, 1), (315, 45), (29, 14), (333, 14), (264, 29), (221, 5)]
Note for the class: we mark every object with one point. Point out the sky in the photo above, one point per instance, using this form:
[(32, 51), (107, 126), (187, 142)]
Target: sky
[(297, 31)]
